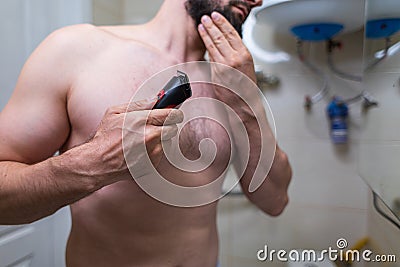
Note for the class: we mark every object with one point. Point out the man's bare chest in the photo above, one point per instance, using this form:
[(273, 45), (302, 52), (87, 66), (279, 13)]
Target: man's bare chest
[(116, 83)]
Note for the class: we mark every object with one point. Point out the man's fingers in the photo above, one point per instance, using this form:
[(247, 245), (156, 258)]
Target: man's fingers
[(230, 33), (160, 117), (146, 104), (213, 51), (217, 37), (169, 132), (155, 134)]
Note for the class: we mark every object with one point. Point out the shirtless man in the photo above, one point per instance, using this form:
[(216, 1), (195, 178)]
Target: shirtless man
[(74, 85)]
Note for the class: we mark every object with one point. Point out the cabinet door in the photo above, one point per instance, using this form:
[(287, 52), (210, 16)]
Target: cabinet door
[(41, 244)]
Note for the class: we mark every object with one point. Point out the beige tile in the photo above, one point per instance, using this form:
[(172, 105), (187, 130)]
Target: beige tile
[(379, 166), (383, 120), (107, 12), (325, 176)]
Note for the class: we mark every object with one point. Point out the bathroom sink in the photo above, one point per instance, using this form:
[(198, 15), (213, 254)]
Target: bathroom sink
[(284, 15)]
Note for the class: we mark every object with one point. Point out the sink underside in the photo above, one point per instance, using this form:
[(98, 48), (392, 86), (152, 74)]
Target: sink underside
[(284, 15)]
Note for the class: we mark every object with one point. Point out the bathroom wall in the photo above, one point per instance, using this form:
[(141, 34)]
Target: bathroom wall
[(116, 12), (328, 199), (139, 11), (107, 12), (25, 24)]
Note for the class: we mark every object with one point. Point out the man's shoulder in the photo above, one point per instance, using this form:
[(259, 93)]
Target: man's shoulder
[(90, 31), (78, 43), (78, 35), (84, 37)]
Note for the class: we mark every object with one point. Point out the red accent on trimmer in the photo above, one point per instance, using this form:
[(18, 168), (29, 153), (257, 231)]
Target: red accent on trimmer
[(161, 94)]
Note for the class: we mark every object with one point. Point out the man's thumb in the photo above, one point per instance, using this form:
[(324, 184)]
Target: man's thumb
[(146, 104)]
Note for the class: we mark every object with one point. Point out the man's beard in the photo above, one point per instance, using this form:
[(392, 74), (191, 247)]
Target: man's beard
[(198, 8)]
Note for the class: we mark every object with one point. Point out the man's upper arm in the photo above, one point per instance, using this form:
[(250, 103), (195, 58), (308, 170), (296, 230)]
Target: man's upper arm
[(34, 124)]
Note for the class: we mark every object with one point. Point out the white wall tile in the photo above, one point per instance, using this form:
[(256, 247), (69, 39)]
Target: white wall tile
[(379, 165), (324, 175), (383, 121)]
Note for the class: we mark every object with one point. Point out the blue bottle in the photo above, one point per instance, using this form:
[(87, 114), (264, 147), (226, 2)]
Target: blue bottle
[(338, 112)]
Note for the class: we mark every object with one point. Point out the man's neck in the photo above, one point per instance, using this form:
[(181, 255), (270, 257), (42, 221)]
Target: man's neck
[(176, 32)]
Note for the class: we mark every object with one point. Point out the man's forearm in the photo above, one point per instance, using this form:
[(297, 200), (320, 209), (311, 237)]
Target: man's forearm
[(267, 163), (31, 192), (255, 149), (271, 196)]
